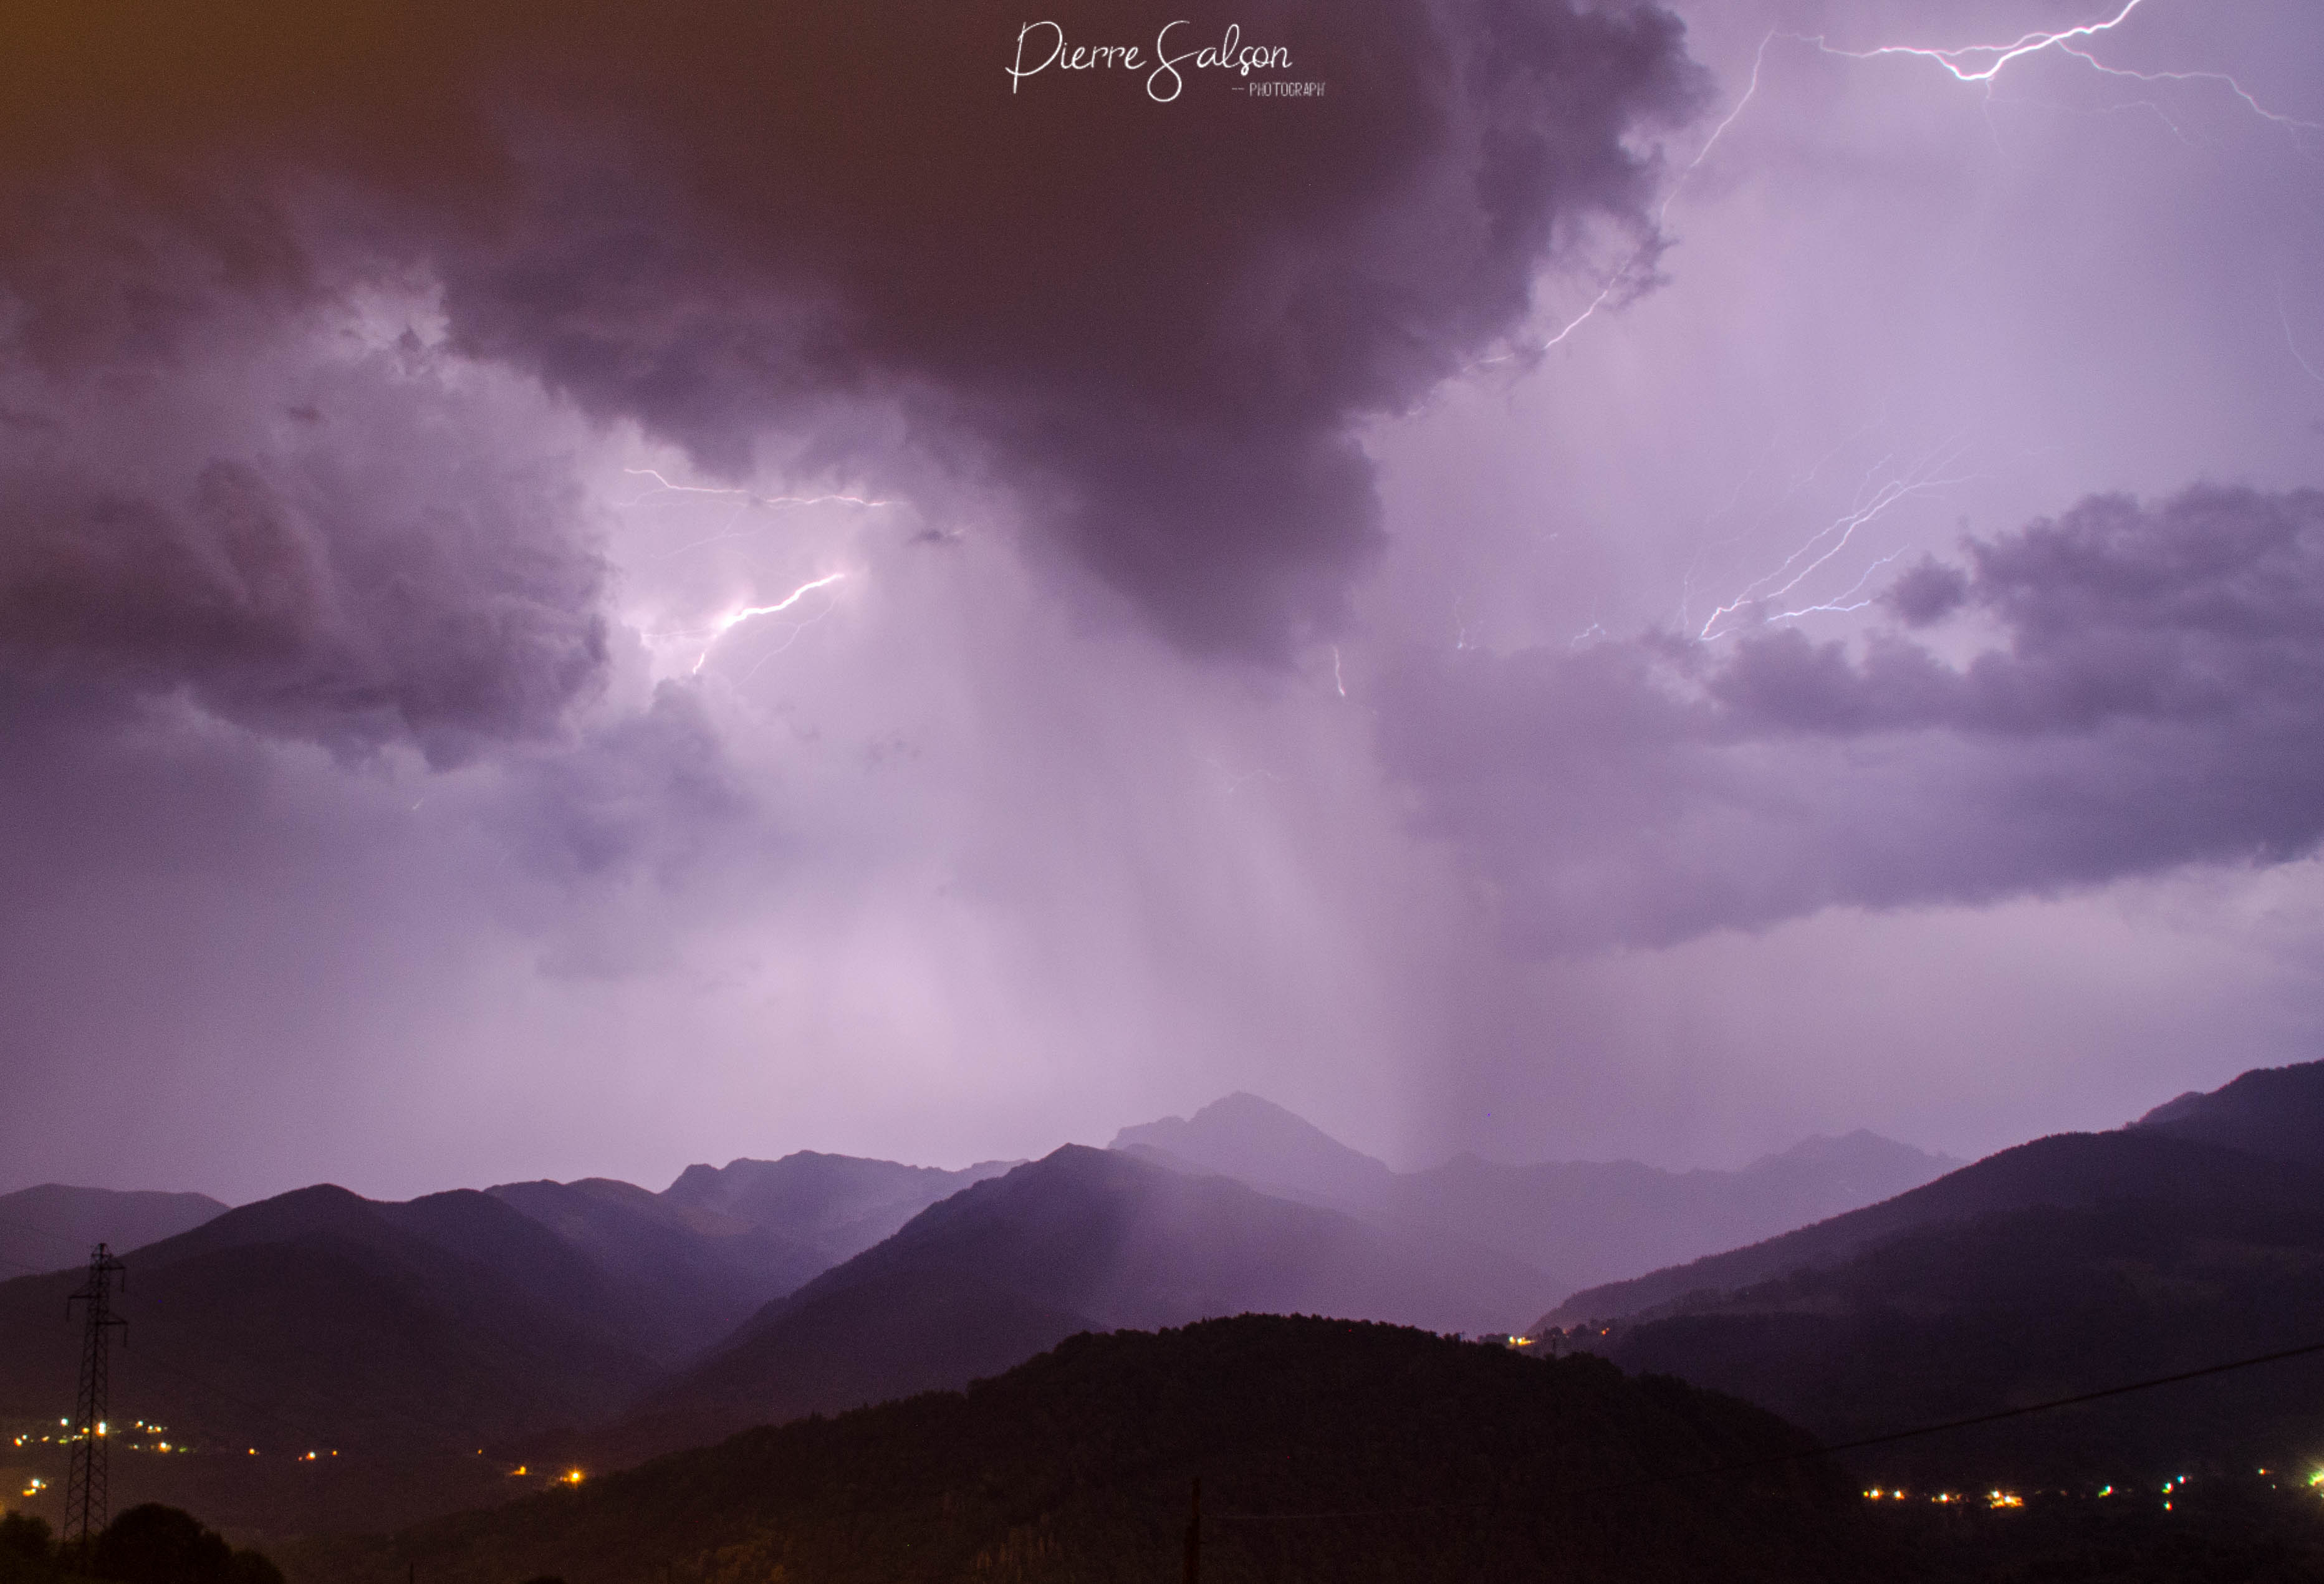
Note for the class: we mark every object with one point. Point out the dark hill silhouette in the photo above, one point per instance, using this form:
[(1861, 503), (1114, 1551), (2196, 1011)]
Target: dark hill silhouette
[(2275, 1111), (685, 1276), (1579, 1223), (2064, 1170), (2069, 1265), (1077, 1465), (51, 1227), (1961, 1319), (1082, 1238), (320, 1320), (838, 1204)]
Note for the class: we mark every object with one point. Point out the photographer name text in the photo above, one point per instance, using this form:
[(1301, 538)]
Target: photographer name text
[(1045, 44)]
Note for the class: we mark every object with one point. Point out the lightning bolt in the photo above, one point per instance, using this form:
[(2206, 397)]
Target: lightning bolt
[(744, 500), (663, 486), (2290, 344), (1873, 502), (1953, 61), (1835, 604), (1236, 783), (1461, 624), (1338, 681), (1983, 63), (1968, 63), (733, 619), (1614, 281)]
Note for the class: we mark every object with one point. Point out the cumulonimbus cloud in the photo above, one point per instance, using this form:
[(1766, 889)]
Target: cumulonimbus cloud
[(2153, 696), (350, 551), (1153, 325)]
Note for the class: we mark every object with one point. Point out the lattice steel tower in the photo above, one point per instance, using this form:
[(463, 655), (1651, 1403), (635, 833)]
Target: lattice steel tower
[(85, 1474)]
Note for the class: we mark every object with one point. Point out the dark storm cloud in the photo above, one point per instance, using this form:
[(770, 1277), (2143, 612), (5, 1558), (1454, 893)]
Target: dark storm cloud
[(2155, 697), (370, 567), (1152, 324)]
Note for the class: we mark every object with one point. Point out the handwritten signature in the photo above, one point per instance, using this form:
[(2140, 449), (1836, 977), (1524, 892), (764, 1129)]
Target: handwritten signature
[(1164, 82)]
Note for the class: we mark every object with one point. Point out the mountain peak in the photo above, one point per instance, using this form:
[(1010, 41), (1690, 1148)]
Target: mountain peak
[(1254, 1139), (1861, 1148), (840, 1205)]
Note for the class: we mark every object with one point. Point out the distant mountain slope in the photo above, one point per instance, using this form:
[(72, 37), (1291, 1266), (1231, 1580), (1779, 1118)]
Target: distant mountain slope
[(1584, 1221), (1579, 1222), (1077, 1466), (320, 1319), (890, 1336), (2064, 1266), (2275, 1111), (1082, 1238), (838, 1205), (1257, 1142), (53, 1227), (687, 1275), (1966, 1318), (2064, 1170)]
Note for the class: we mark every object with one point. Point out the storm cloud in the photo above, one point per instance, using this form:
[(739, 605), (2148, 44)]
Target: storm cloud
[(346, 549), (588, 589), (1150, 326), (2146, 690)]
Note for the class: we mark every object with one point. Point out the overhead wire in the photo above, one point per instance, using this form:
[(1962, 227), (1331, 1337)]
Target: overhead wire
[(1806, 1454)]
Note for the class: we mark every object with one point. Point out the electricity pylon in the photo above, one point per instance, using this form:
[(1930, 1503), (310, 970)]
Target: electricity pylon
[(85, 1511)]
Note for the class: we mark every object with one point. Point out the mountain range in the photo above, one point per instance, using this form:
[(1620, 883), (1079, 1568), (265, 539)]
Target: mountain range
[(2075, 1264), (319, 1318), (1577, 1222), (837, 1205), (54, 1228), (471, 1318), (601, 1322), (1082, 1239)]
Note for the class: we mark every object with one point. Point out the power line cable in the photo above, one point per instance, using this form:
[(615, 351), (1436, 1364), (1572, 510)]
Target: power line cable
[(1816, 1451)]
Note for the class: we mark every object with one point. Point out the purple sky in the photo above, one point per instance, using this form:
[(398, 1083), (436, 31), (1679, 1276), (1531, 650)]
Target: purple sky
[(1869, 671)]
